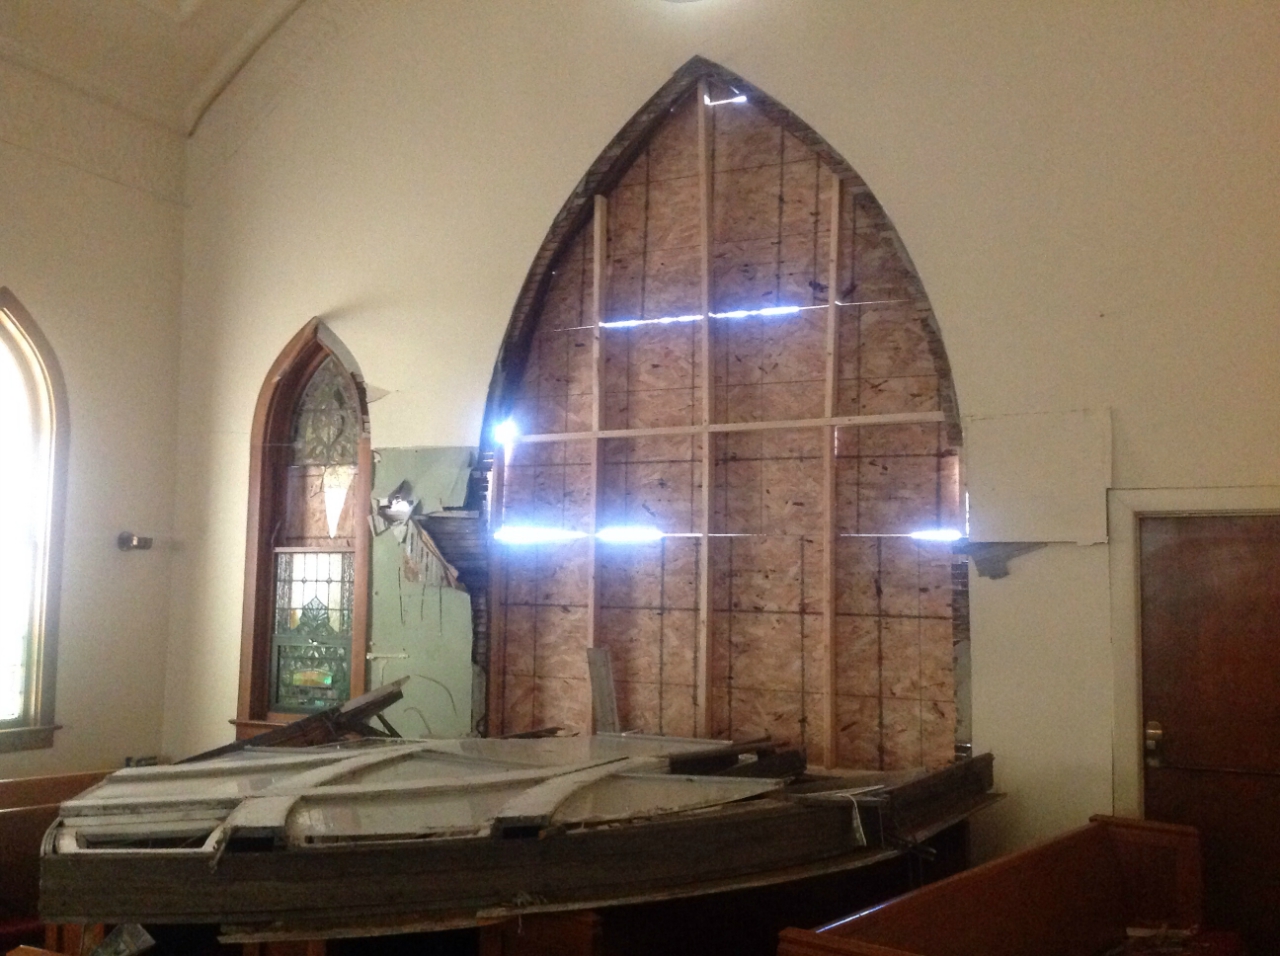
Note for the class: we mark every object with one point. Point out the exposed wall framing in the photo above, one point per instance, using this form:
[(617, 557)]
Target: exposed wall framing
[(785, 457)]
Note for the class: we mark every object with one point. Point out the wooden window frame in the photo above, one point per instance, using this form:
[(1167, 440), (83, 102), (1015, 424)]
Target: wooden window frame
[(269, 443), (35, 727)]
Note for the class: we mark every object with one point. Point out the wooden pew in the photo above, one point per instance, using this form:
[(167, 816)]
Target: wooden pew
[(27, 807), (1072, 896)]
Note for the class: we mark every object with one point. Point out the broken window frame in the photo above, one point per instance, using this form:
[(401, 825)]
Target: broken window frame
[(34, 726)]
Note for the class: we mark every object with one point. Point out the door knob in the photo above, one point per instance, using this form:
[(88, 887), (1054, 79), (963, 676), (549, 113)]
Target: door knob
[(1153, 744)]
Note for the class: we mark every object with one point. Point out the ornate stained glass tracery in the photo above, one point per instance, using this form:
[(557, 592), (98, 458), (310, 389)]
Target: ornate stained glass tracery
[(326, 428)]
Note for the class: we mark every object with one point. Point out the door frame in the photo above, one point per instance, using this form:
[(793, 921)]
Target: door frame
[(1125, 507)]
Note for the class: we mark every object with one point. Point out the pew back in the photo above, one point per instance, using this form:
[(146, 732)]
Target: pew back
[(1072, 896), (27, 808)]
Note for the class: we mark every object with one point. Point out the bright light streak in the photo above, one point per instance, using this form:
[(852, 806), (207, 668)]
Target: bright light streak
[(745, 313), (666, 320), (629, 534), (530, 534), (740, 98), (937, 534), (504, 433), (671, 319)]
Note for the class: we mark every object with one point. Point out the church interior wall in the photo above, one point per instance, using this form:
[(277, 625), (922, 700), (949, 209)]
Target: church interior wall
[(1087, 191)]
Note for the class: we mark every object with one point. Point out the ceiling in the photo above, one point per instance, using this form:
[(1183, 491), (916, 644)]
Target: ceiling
[(165, 60)]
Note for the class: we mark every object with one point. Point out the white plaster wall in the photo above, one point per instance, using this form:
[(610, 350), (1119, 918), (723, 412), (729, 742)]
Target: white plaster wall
[(90, 235), (1089, 190)]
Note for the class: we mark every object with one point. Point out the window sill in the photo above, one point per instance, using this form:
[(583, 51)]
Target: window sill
[(13, 739)]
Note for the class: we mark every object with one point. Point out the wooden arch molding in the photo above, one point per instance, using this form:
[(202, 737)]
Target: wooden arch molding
[(270, 443)]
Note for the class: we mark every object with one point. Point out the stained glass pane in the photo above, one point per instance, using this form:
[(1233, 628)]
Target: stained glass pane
[(311, 642), (326, 428)]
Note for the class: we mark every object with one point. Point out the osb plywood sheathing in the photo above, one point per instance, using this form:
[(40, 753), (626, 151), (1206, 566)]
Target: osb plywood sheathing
[(702, 714), (634, 382), (599, 179)]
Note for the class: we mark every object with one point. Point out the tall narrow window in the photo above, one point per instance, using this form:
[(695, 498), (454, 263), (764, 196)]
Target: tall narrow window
[(33, 433), (306, 607)]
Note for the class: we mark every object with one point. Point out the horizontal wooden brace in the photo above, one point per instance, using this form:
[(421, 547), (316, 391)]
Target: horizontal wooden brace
[(846, 421)]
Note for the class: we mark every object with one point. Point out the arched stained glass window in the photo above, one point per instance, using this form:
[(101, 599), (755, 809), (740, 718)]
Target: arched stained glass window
[(315, 559), (33, 434), (306, 601)]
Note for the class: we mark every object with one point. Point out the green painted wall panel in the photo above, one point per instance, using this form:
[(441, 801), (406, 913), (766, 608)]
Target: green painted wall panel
[(416, 627)]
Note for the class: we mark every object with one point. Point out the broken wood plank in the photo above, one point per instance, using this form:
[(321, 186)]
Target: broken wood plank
[(531, 734), (327, 726), (781, 765), (712, 761), (604, 700)]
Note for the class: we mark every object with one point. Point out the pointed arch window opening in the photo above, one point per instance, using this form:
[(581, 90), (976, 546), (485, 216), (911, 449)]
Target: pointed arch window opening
[(307, 580), (695, 624)]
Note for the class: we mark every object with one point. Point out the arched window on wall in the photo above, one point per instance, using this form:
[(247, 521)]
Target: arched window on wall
[(731, 450), (34, 435), (306, 613)]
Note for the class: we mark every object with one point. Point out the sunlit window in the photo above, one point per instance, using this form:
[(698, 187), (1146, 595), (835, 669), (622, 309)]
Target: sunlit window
[(30, 419), (18, 531)]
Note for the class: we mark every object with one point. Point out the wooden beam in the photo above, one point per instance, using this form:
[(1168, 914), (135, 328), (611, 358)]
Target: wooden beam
[(600, 253), (495, 692), (702, 711), (604, 698), (830, 677), (600, 250), (837, 421)]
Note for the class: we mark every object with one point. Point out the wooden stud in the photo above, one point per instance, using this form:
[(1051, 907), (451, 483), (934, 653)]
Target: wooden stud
[(604, 696), (600, 249), (830, 676), (702, 713), (838, 421), (600, 252), (496, 690)]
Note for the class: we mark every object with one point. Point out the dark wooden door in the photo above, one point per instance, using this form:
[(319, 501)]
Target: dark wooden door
[(1211, 679)]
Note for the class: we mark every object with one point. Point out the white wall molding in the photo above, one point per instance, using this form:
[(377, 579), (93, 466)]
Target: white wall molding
[(1125, 508), (47, 116), (283, 59)]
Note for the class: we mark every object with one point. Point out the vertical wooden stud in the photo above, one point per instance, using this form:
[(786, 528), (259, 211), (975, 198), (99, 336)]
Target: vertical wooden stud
[(830, 684), (702, 715), (599, 252), (496, 691), (600, 249)]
